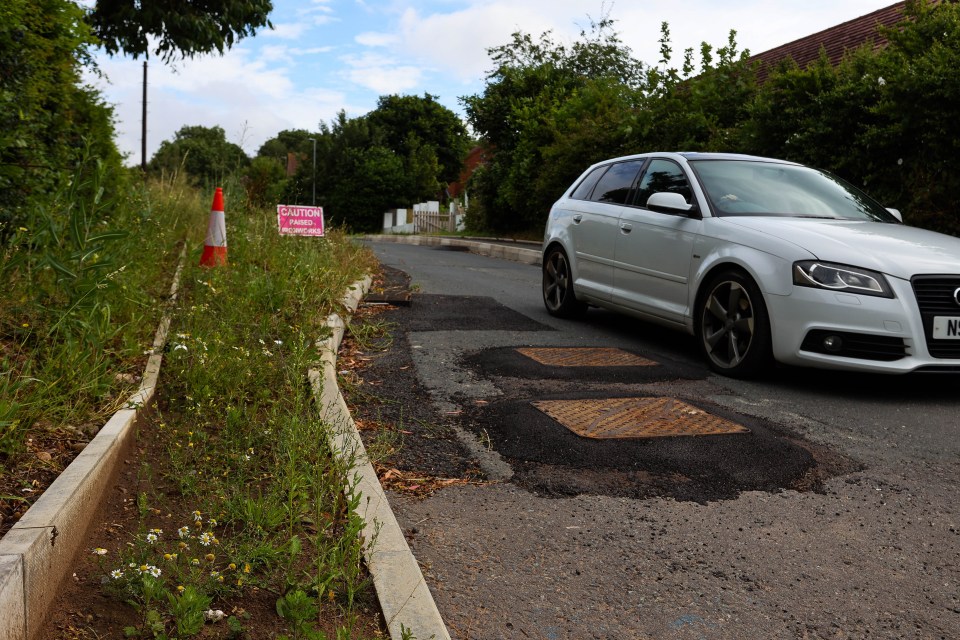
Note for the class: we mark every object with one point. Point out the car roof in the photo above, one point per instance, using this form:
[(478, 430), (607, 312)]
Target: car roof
[(698, 155)]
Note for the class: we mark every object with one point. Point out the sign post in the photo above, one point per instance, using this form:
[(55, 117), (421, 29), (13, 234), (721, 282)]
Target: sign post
[(295, 220)]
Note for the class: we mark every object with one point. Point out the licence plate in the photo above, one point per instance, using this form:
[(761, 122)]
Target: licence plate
[(946, 327)]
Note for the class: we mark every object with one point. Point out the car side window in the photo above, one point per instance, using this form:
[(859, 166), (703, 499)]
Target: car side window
[(618, 183), (583, 190), (662, 175)]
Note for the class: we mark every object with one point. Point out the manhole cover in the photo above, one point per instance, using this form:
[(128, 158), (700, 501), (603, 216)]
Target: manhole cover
[(635, 418), (584, 357)]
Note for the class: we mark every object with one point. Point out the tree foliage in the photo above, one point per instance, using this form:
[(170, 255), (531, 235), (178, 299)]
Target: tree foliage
[(544, 100), (48, 118), (415, 127), (176, 27), (202, 152)]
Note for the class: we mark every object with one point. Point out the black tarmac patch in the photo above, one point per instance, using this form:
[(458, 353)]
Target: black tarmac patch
[(507, 362), (465, 313), (549, 459)]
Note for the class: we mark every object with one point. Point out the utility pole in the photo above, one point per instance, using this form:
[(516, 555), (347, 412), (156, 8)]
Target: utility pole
[(314, 180), (143, 132)]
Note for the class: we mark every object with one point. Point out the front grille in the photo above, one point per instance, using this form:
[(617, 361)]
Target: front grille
[(856, 345), (935, 297)]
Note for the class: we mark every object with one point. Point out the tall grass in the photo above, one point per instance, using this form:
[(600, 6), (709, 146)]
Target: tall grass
[(81, 279), (240, 458), (241, 440)]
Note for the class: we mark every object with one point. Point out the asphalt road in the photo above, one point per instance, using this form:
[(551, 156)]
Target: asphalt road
[(833, 514)]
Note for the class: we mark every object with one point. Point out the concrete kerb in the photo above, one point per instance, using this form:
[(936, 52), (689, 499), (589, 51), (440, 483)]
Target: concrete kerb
[(404, 597), (36, 555), (513, 251)]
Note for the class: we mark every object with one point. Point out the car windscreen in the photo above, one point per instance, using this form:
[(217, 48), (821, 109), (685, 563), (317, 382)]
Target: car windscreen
[(755, 188)]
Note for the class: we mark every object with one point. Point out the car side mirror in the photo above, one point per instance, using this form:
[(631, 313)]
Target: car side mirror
[(669, 202), (896, 213)]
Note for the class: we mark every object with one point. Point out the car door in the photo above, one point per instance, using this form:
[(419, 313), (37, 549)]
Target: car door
[(595, 206), (653, 251)]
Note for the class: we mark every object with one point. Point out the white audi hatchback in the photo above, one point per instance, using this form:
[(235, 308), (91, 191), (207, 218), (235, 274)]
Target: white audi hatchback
[(760, 259)]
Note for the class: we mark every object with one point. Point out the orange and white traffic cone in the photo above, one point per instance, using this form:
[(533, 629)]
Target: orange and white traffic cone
[(215, 246)]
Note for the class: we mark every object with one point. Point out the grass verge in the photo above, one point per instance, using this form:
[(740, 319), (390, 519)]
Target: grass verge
[(236, 498)]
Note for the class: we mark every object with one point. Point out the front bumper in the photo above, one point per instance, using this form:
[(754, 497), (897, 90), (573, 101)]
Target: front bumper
[(807, 312)]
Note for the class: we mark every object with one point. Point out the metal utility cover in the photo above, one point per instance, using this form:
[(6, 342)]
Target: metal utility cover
[(635, 418), (584, 357)]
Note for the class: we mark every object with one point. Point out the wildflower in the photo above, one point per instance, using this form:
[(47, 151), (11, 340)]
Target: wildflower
[(206, 538), (214, 615), (22, 229), (195, 562), (159, 532), (881, 81), (183, 546), (180, 588), (99, 551), (210, 557), (232, 567), (220, 578), (180, 347), (116, 574), (278, 342), (154, 571), (214, 574), (183, 532), (152, 537), (212, 522), (246, 567), (197, 517), (132, 565)]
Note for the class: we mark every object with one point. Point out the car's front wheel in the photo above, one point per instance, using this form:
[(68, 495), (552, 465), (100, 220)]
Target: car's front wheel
[(733, 327), (558, 295)]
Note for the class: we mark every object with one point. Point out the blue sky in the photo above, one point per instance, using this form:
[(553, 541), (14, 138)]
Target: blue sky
[(327, 55)]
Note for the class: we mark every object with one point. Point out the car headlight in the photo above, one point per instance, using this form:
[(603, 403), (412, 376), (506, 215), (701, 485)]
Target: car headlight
[(840, 277)]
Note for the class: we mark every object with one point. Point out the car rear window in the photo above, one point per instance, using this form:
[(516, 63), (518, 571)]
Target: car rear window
[(618, 184), (583, 190)]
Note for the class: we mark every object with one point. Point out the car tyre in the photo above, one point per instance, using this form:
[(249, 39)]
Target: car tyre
[(733, 326), (558, 294)]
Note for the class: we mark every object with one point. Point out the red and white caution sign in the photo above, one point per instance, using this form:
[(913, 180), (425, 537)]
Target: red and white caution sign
[(215, 245)]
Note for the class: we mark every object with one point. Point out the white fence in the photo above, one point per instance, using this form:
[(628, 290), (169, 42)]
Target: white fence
[(425, 218)]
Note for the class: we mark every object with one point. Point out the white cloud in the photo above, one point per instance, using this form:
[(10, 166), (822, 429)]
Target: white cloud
[(286, 30), (373, 39), (381, 74)]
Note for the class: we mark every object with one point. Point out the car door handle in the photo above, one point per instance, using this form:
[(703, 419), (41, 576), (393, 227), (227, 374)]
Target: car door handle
[(577, 218), (626, 228)]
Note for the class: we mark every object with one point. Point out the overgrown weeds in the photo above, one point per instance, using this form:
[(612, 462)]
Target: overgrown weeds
[(244, 497)]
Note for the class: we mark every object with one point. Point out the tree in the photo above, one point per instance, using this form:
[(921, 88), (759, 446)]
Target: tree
[(178, 27), (202, 152), (540, 97), (48, 118), (411, 123), (288, 141)]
